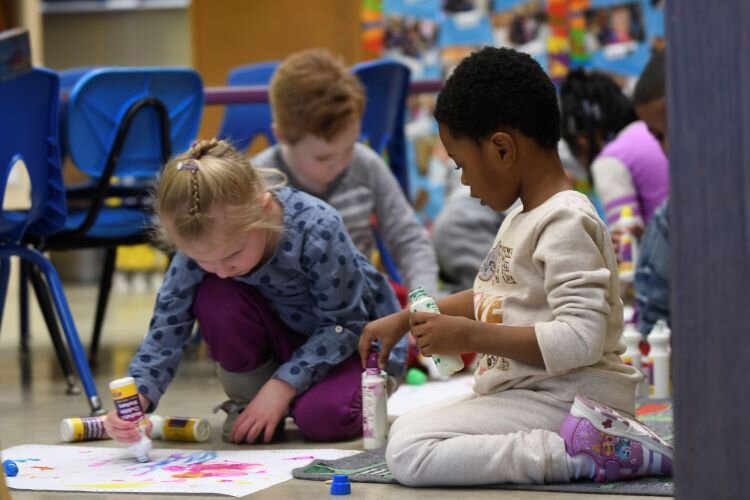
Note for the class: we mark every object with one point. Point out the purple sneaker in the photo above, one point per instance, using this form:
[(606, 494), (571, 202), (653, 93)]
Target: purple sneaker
[(621, 447)]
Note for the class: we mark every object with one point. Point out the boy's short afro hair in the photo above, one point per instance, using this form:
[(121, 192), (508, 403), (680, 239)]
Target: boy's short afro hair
[(499, 87)]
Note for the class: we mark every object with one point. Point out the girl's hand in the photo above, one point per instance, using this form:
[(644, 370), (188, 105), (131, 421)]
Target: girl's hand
[(440, 333), (388, 330), (264, 412), (124, 431)]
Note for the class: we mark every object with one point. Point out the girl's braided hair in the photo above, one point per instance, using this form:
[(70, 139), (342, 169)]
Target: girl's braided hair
[(209, 187)]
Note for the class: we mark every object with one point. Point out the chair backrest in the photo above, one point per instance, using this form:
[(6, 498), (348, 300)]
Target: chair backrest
[(108, 101), (243, 122), (68, 78), (29, 132), (387, 85)]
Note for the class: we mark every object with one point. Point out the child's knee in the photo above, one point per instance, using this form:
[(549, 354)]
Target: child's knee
[(320, 422), (213, 292), (404, 456), (225, 304)]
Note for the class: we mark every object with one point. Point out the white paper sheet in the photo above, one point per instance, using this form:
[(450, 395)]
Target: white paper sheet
[(221, 472), (410, 397)]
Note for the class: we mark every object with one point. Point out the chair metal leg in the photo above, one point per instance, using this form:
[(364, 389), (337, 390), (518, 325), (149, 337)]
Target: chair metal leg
[(105, 285), (23, 305), (43, 297), (66, 320), (4, 276)]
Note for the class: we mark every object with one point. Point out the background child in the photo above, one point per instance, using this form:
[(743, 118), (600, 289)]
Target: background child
[(317, 107), (462, 232), (626, 164), (653, 266), (279, 290), (545, 309)]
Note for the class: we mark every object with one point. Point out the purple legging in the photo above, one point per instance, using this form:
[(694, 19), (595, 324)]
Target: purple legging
[(242, 333)]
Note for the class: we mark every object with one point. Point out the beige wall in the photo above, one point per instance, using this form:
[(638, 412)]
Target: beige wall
[(117, 38)]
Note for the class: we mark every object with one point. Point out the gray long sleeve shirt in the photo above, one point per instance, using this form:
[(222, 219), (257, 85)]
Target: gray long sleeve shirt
[(365, 188)]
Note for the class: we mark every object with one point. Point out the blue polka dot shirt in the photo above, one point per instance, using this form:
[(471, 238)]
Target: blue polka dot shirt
[(317, 282)]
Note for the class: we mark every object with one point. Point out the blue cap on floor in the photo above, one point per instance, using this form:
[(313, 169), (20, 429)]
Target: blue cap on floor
[(11, 469), (340, 485)]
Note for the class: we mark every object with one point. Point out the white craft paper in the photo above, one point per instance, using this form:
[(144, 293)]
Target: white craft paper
[(411, 397), (221, 472)]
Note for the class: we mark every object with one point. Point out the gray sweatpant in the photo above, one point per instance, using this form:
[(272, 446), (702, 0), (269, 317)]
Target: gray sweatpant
[(508, 437)]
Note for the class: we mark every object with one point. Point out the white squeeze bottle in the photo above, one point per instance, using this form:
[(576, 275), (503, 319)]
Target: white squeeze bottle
[(374, 404), (632, 355), (658, 340), (419, 301)]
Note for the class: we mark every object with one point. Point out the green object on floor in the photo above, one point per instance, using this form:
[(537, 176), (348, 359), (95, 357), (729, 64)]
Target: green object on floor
[(415, 376)]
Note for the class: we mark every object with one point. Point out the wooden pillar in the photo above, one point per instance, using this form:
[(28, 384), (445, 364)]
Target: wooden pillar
[(708, 80)]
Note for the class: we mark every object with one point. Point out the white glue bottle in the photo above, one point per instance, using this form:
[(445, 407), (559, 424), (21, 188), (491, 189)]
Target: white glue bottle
[(374, 404), (128, 407), (632, 356), (419, 301), (659, 353)]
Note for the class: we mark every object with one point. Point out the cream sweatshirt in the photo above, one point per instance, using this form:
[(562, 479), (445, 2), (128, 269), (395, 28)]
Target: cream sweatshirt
[(554, 268)]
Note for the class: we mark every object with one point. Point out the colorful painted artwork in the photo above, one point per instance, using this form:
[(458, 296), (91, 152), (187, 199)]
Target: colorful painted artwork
[(218, 472)]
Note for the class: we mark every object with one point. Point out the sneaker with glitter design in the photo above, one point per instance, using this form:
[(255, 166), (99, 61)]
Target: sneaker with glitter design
[(622, 448)]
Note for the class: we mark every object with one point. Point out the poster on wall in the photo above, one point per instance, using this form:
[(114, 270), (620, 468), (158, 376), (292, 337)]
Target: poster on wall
[(618, 36), (411, 33), (522, 25)]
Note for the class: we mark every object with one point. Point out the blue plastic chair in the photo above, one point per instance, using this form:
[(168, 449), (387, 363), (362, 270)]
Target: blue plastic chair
[(387, 86), (122, 125), (68, 78), (29, 133), (244, 122)]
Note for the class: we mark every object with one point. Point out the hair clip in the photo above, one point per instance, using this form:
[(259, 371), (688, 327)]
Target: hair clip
[(190, 165)]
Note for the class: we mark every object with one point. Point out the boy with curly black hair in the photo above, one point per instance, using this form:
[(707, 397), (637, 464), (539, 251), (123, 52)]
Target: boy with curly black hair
[(552, 399)]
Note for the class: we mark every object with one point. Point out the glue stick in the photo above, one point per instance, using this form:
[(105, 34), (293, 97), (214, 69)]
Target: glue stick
[(195, 430), (83, 429), (128, 407)]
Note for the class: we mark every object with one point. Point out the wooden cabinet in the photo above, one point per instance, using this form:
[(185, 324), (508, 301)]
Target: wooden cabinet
[(229, 33)]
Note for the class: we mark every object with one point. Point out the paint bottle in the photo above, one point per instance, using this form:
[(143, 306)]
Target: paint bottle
[(659, 353), (194, 430), (73, 430), (374, 404), (419, 301), (628, 253), (128, 407), (632, 356)]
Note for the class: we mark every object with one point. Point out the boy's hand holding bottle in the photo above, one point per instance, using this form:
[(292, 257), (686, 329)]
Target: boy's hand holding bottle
[(438, 334), (387, 330)]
